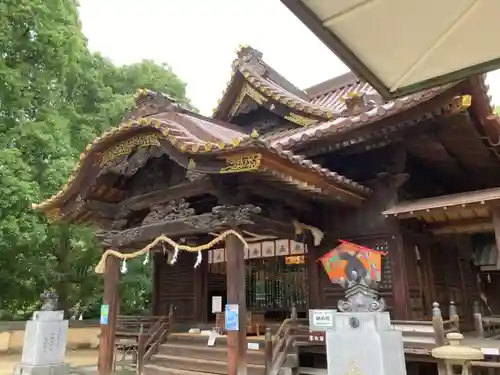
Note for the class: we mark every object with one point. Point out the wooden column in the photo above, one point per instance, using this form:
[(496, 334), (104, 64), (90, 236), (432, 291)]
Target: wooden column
[(200, 290), (236, 294), (400, 292), (111, 298), (313, 253)]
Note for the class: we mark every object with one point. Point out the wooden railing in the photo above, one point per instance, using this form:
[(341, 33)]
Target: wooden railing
[(485, 326), (150, 341), (278, 348), (421, 336), (140, 336)]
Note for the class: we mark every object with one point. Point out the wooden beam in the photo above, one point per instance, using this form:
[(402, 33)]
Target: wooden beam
[(147, 233), (111, 299), (266, 226), (184, 190), (236, 294), (105, 209), (219, 218), (495, 213), (475, 225)]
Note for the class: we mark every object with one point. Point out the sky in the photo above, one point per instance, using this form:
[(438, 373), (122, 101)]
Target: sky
[(198, 39)]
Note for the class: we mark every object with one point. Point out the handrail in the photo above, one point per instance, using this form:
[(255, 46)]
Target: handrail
[(150, 341), (277, 348), (485, 326)]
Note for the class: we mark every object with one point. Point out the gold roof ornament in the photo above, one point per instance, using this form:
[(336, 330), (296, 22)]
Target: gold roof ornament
[(254, 134), (191, 164), (466, 101)]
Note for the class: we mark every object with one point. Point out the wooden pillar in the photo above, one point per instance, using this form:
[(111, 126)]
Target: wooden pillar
[(236, 294), (200, 290), (155, 300), (313, 253), (400, 292), (111, 298)]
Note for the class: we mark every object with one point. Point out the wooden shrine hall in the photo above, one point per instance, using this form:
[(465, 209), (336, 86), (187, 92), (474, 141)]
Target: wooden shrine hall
[(276, 177)]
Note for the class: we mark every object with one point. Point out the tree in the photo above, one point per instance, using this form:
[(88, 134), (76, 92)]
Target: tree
[(55, 97)]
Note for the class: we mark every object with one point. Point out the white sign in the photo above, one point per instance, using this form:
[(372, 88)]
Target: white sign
[(212, 337), (216, 304), (490, 351), (322, 318)]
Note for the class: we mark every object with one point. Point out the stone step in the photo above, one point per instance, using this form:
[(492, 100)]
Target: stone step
[(203, 340), (200, 365), (206, 352), (152, 369)]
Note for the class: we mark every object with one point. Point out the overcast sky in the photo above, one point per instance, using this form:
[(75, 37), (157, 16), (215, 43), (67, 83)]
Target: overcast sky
[(198, 38)]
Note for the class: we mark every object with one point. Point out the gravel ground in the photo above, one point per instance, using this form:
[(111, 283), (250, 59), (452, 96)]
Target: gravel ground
[(76, 358)]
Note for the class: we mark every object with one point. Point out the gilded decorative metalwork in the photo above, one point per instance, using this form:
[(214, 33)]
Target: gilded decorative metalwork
[(242, 163), (300, 120), (247, 90), (191, 164), (466, 101), (127, 146)]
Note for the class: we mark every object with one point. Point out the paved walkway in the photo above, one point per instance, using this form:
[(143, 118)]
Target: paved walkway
[(76, 358)]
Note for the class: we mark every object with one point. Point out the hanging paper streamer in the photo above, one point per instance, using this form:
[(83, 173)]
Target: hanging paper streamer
[(100, 268), (340, 262), (198, 260), (123, 270), (146, 259), (174, 257)]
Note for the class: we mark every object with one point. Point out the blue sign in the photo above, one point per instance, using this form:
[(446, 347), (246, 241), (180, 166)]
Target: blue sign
[(104, 314), (232, 317)]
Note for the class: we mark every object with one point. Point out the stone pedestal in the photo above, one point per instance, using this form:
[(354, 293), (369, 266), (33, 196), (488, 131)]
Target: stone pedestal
[(364, 343), (44, 345)]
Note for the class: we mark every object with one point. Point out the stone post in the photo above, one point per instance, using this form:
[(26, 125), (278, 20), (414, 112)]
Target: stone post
[(44, 345)]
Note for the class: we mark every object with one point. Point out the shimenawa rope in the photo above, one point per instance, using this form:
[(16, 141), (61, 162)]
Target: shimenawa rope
[(100, 268)]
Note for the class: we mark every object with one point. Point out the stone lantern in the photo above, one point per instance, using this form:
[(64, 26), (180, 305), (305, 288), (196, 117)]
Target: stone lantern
[(456, 355)]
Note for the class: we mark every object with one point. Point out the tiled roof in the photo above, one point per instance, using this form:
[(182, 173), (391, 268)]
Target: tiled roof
[(193, 135), (325, 100), (260, 76), (383, 110)]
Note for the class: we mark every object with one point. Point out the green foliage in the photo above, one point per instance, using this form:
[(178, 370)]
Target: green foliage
[(497, 110), (55, 97)]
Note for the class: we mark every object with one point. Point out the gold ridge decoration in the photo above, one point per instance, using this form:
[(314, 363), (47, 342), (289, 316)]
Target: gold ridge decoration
[(127, 146), (191, 164), (242, 163), (300, 120), (466, 101), (263, 87), (247, 90), (234, 68), (101, 266)]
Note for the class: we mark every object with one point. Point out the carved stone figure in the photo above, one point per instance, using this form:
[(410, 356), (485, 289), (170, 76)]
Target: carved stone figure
[(49, 301)]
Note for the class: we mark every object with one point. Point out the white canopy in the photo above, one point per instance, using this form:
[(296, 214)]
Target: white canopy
[(404, 46)]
